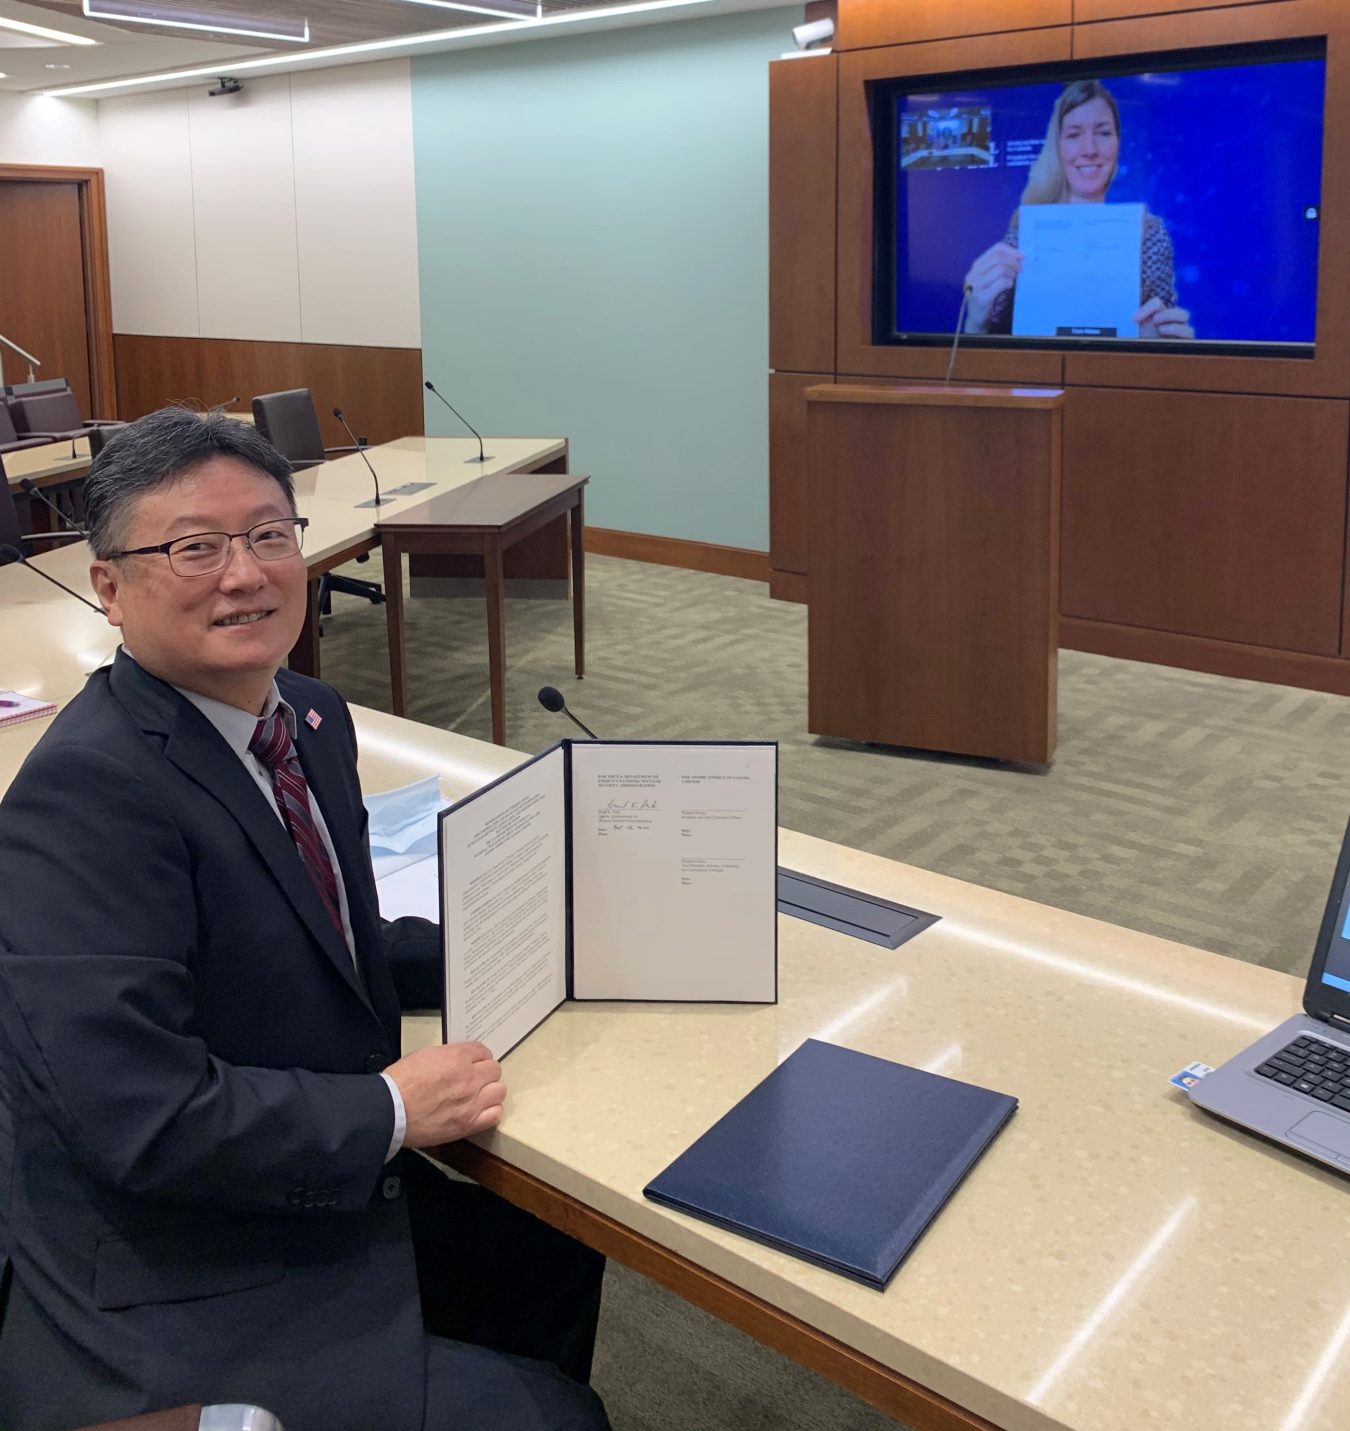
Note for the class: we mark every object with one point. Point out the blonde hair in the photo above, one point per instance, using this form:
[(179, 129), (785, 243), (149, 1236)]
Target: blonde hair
[(1046, 183)]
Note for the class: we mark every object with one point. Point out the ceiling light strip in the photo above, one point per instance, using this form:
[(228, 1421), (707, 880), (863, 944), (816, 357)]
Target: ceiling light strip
[(367, 47), (118, 14), (506, 9), (61, 37)]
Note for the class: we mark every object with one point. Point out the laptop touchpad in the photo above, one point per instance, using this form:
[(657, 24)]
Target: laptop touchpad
[(1323, 1131)]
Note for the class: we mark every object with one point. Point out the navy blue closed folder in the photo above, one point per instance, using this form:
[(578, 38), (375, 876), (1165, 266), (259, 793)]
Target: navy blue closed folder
[(837, 1157)]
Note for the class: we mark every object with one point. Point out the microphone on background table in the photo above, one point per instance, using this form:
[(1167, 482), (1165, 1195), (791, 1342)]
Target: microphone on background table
[(361, 448), (480, 458), (221, 406), (551, 698), (956, 336), (9, 553), (32, 490)]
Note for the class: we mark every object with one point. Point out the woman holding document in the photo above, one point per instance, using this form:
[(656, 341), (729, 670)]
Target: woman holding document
[(1076, 166)]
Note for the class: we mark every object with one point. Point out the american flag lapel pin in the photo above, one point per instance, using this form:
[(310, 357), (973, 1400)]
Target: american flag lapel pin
[(313, 720)]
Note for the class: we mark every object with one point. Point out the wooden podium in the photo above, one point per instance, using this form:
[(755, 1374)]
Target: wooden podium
[(934, 564)]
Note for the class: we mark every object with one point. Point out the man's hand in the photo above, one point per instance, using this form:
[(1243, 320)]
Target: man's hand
[(448, 1092)]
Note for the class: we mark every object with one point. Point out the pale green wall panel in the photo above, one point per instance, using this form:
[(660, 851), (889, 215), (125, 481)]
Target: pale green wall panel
[(593, 248)]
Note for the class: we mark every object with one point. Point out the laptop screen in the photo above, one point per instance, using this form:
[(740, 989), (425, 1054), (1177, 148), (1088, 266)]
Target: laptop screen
[(1336, 970)]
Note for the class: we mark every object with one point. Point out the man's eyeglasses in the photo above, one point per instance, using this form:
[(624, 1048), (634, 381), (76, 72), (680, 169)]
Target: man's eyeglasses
[(205, 553)]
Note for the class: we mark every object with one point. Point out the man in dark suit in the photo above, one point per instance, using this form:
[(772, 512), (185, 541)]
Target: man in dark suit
[(213, 1194)]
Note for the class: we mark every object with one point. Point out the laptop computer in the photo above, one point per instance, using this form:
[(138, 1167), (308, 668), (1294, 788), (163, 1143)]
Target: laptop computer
[(1293, 1085)]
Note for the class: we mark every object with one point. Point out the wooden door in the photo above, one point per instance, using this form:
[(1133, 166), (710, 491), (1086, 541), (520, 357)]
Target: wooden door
[(43, 305)]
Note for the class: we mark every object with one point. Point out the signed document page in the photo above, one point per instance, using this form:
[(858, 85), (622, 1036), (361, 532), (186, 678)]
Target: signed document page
[(1081, 270), (503, 905), (674, 871)]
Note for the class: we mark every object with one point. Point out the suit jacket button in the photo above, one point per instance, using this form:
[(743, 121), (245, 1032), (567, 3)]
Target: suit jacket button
[(376, 1063), (295, 1197), (392, 1188)]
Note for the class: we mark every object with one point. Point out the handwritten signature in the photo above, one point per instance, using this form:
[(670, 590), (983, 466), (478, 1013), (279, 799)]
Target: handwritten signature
[(614, 806)]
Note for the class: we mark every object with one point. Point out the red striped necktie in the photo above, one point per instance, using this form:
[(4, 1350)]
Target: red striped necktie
[(274, 749)]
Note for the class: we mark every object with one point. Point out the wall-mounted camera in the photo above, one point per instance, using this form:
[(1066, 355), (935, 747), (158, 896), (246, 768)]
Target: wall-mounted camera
[(227, 84)]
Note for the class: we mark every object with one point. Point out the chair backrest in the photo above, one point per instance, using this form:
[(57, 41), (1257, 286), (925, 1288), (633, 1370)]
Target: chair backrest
[(46, 412), (7, 432), (288, 421), (9, 516)]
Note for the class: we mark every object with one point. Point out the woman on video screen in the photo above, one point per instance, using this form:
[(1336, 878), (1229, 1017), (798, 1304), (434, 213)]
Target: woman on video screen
[(1076, 166)]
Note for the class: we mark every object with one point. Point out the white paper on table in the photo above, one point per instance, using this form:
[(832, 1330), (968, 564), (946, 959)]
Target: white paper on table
[(674, 871), (1080, 270), (504, 872), (408, 885)]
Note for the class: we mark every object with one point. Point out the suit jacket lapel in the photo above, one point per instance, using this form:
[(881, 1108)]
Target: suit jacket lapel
[(197, 749)]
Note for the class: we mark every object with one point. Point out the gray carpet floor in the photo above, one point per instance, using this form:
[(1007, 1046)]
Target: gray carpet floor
[(1202, 809)]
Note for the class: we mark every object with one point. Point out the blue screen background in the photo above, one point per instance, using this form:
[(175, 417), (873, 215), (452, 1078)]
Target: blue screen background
[(1228, 158)]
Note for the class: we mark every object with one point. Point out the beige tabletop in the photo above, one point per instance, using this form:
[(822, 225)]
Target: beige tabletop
[(51, 463), (329, 495), (1117, 1261)]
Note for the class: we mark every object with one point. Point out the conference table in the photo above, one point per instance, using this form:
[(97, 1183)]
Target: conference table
[(1116, 1261)]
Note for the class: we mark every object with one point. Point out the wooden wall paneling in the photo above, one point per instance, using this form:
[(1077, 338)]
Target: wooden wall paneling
[(1206, 514), (866, 23), (379, 389), (1087, 11), (856, 353), (1328, 373), (1201, 653), (789, 522), (56, 297), (802, 138)]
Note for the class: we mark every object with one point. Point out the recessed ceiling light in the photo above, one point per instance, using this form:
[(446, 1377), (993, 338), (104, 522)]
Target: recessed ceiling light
[(62, 37), (56, 67), (4, 77), (172, 17)]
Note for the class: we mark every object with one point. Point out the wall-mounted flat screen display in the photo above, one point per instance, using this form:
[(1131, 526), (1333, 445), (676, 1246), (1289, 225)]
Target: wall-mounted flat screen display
[(1172, 201)]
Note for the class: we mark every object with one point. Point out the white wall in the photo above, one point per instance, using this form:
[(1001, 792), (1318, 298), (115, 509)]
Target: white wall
[(287, 212), (38, 130)]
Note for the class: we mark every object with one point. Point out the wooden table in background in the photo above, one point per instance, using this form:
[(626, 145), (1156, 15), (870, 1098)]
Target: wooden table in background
[(483, 518)]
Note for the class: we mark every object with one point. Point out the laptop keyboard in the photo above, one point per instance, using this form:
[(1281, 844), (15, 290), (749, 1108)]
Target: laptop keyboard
[(1312, 1066)]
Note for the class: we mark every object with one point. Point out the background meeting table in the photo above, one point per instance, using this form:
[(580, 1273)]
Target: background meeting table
[(484, 518), (342, 528)]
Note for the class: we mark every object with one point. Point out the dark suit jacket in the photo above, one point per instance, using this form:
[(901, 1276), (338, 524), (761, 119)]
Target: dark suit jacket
[(200, 1206)]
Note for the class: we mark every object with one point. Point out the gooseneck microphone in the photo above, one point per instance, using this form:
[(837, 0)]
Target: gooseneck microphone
[(9, 553), (480, 458), (956, 337), (551, 698), (31, 489), (221, 406), (379, 501)]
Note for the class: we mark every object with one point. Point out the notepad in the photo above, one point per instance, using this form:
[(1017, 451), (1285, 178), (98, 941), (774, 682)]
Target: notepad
[(14, 708), (837, 1157)]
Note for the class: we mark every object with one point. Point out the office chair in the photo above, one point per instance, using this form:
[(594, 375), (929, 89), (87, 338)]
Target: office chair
[(10, 534), (10, 441), (288, 421), (53, 417)]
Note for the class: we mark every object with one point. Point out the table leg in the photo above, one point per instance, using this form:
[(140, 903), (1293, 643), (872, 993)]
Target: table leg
[(496, 619), (304, 656), (393, 615), (577, 522)]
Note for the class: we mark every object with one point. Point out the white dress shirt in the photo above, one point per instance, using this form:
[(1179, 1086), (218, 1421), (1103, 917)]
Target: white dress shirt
[(236, 728)]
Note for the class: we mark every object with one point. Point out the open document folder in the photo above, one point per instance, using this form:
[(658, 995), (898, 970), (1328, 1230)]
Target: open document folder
[(610, 870), (1080, 270)]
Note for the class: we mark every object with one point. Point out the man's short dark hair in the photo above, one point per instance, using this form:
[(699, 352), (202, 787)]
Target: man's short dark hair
[(158, 449)]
